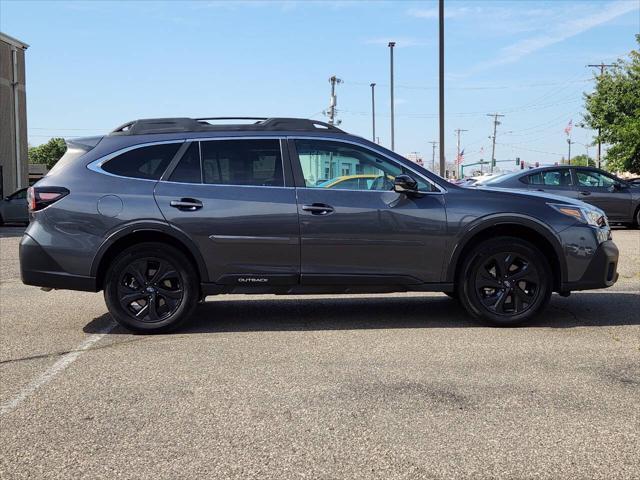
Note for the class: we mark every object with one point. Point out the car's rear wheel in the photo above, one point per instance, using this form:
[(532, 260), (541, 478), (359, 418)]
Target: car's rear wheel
[(151, 288), (505, 281)]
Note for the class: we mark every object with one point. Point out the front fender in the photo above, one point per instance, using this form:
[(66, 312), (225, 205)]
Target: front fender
[(491, 221)]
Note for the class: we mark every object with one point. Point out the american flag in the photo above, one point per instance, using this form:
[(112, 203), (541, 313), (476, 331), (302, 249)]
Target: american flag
[(568, 128), (460, 157)]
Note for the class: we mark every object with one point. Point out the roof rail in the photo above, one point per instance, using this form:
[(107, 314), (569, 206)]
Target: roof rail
[(175, 125)]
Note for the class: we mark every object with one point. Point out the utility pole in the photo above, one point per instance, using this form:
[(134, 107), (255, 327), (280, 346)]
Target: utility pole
[(393, 143), (373, 112), (569, 142), (602, 66), (333, 101), (458, 132), (441, 82), (493, 138), (433, 156)]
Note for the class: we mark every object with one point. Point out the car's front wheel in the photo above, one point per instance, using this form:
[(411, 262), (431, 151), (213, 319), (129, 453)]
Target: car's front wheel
[(505, 281), (151, 288)]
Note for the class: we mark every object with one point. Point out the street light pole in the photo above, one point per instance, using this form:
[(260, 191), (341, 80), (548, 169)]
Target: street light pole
[(373, 113), (393, 143), (569, 142), (441, 82)]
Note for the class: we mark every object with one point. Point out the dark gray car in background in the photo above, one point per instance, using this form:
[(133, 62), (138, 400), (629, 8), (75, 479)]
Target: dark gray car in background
[(161, 213), (13, 208), (619, 199)]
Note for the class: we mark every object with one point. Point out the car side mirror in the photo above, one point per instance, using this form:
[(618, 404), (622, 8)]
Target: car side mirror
[(405, 184), (616, 187)]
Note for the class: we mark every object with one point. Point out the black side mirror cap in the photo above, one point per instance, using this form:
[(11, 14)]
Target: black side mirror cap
[(405, 184)]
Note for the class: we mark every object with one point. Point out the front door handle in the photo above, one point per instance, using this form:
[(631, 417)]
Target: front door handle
[(186, 204), (318, 209), (585, 193), (539, 189)]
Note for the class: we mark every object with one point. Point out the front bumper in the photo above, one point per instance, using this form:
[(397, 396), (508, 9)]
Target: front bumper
[(601, 271), (39, 269)]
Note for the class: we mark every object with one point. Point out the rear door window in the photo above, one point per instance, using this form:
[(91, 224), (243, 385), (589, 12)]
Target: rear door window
[(145, 162), (551, 178), (242, 162), (188, 169)]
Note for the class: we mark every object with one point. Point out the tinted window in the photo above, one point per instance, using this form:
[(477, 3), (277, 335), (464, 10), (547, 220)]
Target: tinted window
[(145, 162), (588, 178), (188, 169), (19, 195), (553, 178), (344, 166), (242, 162)]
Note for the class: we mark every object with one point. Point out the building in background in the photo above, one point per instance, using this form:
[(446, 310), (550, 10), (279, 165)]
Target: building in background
[(13, 116), (415, 158)]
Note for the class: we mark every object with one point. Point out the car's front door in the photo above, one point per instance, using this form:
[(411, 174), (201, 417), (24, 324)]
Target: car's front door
[(369, 234), (604, 192), (231, 198)]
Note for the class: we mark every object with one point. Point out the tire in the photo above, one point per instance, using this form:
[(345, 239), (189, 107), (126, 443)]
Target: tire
[(505, 281), (1, 221), (636, 224), (151, 288)]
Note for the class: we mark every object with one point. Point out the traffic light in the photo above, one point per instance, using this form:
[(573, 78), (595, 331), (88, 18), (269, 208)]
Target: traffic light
[(521, 165), (537, 164), (517, 160)]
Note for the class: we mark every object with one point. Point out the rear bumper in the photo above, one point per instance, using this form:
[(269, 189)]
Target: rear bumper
[(601, 271), (39, 269)]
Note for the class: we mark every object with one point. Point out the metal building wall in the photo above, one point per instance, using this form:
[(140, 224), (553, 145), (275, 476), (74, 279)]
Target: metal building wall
[(9, 154)]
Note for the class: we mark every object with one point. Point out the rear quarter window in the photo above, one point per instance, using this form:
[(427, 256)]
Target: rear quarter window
[(145, 162)]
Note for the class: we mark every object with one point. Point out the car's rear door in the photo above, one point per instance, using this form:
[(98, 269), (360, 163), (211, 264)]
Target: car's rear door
[(605, 192), (369, 234), (235, 198)]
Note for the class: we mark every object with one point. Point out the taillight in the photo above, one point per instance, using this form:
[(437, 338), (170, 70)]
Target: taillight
[(41, 197)]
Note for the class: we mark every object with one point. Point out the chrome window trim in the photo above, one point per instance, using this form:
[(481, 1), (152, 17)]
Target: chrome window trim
[(441, 190), (222, 185), (96, 165)]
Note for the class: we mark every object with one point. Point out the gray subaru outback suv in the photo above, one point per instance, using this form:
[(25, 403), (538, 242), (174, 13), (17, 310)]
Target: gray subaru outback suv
[(161, 213)]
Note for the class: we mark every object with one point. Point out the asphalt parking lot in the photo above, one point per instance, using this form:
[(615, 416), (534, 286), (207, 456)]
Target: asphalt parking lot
[(376, 386)]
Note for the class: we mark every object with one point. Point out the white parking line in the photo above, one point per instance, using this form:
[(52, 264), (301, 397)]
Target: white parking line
[(62, 363)]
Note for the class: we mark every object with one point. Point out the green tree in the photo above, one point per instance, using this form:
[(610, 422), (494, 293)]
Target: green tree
[(614, 107), (48, 153), (583, 161)]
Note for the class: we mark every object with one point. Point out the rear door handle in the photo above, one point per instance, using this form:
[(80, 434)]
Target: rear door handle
[(539, 189), (186, 204), (318, 209), (585, 193)]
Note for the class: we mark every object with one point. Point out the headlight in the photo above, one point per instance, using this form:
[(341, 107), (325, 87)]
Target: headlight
[(589, 215)]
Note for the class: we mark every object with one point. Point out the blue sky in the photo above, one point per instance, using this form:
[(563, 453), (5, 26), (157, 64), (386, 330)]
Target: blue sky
[(93, 65)]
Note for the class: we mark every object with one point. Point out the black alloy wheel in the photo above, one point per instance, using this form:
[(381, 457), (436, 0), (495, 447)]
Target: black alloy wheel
[(151, 288), (505, 281)]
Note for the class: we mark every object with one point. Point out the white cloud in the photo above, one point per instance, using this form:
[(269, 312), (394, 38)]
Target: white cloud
[(560, 32), (432, 13)]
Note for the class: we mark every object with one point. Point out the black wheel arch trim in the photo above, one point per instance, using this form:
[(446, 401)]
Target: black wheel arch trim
[(494, 220), (151, 226)]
